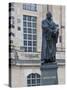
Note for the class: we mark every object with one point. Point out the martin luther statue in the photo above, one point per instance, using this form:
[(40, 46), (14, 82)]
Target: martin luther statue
[(50, 33)]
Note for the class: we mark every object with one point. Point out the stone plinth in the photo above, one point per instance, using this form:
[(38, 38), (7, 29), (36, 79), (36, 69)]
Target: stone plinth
[(49, 74)]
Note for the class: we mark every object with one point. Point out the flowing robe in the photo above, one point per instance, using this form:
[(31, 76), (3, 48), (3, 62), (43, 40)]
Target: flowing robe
[(49, 40)]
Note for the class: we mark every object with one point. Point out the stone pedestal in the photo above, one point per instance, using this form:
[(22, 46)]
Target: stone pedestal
[(49, 74)]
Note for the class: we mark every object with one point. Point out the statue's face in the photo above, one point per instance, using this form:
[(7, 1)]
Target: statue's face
[(49, 15)]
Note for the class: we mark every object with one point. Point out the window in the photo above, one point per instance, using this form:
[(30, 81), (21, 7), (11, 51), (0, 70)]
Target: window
[(30, 34), (30, 7), (25, 42), (30, 43), (34, 43), (29, 30), (25, 30), (33, 79), (25, 36)]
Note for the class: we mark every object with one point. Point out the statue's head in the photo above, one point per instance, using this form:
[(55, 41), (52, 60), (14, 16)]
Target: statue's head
[(49, 15)]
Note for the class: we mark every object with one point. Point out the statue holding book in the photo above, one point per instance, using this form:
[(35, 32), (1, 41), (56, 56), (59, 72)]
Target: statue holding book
[(50, 33)]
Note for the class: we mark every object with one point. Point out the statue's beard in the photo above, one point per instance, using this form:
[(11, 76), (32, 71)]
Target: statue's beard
[(49, 18)]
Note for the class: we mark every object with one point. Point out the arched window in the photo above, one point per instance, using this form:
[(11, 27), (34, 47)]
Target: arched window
[(33, 79)]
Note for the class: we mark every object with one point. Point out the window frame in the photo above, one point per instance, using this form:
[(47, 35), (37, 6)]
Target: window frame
[(30, 7), (30, 34), (33, 81)]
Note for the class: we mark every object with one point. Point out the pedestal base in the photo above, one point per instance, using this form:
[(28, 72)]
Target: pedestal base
[(49, 74)]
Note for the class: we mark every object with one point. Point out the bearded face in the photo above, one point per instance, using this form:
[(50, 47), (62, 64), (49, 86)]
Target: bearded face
[(49, 16)]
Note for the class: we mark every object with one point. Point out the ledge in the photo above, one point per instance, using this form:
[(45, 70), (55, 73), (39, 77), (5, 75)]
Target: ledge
[(34, 62)]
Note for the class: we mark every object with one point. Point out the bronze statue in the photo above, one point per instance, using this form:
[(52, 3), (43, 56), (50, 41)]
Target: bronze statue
[(50, 33)]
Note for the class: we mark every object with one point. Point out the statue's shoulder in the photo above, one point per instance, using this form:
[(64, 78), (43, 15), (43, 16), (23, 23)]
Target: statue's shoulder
[(44, 21)]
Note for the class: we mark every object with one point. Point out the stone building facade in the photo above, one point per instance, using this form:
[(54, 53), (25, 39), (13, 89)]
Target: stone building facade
[(26, 40)]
